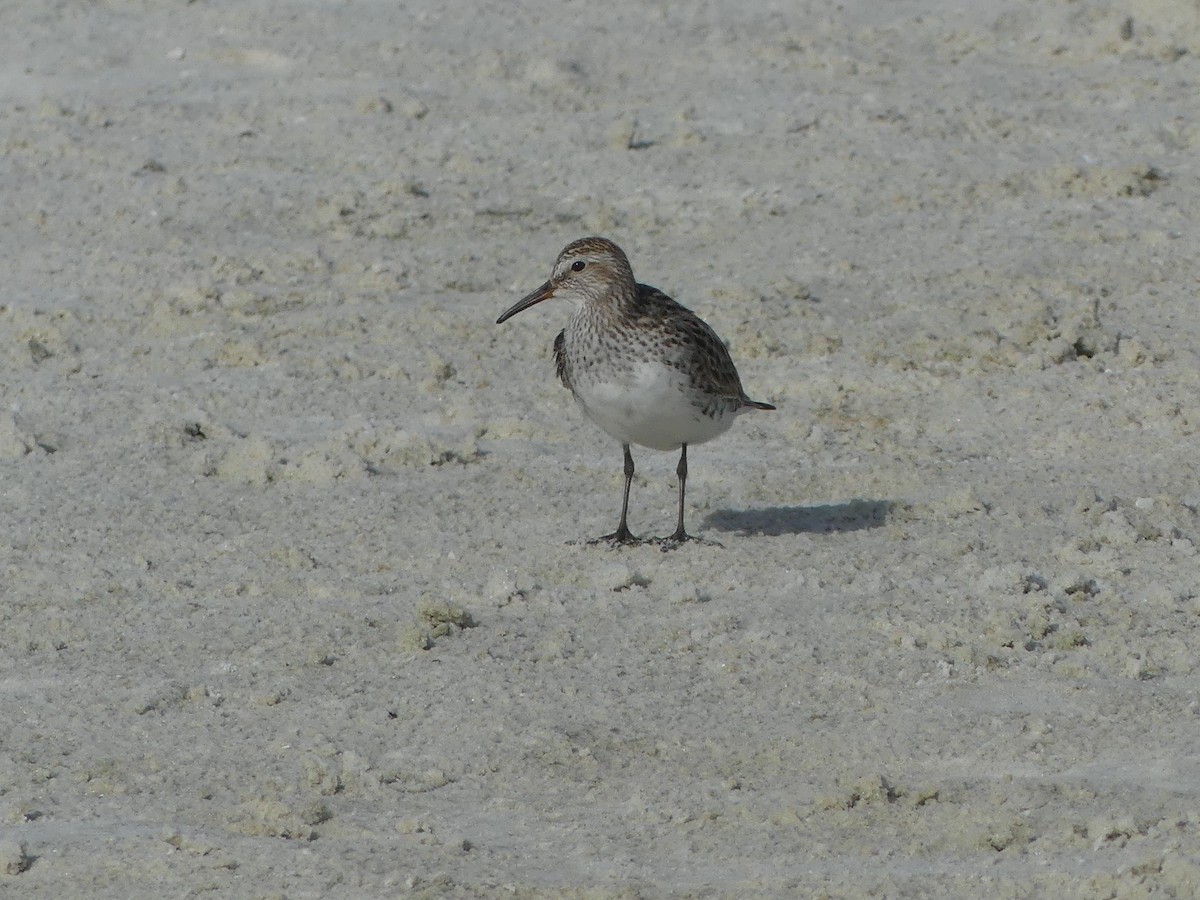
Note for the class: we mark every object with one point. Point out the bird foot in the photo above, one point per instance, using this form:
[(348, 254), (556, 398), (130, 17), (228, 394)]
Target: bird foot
[(679, 538), (622, 537)]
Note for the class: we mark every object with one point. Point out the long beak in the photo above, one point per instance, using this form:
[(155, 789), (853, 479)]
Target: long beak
[(545, 292)]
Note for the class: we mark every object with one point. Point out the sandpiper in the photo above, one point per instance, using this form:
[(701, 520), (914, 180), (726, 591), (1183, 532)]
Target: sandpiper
[(644, 368)]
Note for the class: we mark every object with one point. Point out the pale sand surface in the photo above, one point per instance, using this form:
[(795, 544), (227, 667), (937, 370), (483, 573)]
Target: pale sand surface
[(265, 452)]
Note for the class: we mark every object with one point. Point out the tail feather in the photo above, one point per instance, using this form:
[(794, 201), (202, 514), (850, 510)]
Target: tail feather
[(757, 404)]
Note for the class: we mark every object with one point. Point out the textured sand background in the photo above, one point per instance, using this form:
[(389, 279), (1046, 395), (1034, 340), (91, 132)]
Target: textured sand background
[(289, 604)]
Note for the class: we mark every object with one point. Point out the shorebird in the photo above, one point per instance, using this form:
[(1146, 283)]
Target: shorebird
[(644, 368)]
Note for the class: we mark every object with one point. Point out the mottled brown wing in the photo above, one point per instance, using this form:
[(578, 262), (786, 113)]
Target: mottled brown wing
[(560, 358), (700, 349)]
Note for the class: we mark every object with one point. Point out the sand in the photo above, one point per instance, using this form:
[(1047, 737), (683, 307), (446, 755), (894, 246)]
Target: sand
[(296, 600)]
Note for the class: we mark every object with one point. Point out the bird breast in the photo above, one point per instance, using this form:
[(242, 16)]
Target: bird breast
[(648, 403)]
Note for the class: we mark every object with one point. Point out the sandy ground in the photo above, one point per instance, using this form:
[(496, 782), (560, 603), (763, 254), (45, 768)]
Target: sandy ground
[(294, 597)]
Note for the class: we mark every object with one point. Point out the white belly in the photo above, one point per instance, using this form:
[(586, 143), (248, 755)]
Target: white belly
[(650, 405)]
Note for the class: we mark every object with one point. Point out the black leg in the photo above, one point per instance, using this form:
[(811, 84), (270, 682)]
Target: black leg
[(681, 470), (622, 535)]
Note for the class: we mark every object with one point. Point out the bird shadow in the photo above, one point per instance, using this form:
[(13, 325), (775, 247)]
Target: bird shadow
[(854, 515)]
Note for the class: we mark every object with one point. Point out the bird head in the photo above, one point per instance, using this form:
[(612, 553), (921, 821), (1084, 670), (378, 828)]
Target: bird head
[(587, 269)]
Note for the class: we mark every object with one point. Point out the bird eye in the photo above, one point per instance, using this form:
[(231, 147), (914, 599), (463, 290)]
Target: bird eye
[(578, 265)]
